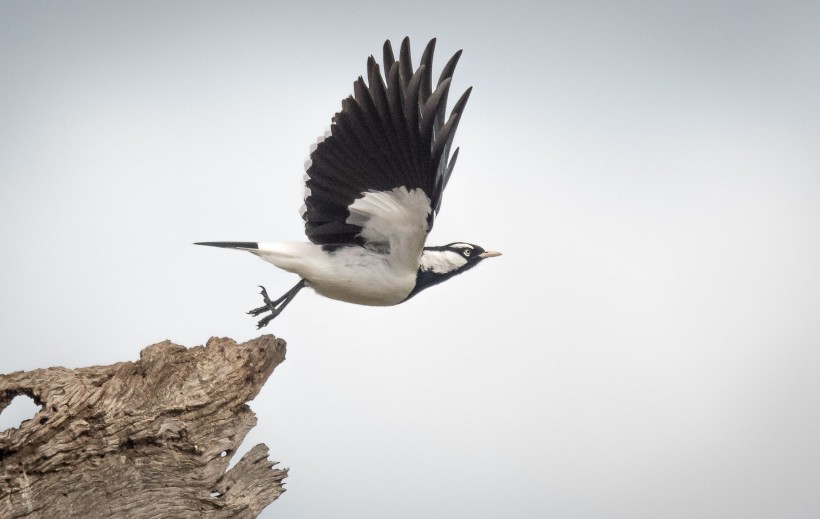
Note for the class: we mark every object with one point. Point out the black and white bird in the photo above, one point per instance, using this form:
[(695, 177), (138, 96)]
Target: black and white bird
[(373, 188)]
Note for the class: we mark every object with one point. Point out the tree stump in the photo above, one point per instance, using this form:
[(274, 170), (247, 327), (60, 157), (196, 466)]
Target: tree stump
[(151, 438)]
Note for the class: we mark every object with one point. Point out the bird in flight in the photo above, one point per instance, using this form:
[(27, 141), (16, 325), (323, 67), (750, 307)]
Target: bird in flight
[(373, 188)]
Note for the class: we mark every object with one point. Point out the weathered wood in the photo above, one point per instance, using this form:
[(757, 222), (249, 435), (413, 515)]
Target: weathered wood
[(145, 439)]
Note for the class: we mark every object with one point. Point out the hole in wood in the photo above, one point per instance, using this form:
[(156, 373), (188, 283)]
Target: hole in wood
[(20, 409)]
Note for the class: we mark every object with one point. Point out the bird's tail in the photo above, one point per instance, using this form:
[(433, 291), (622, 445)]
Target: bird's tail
[(242, 245), (291, 256)]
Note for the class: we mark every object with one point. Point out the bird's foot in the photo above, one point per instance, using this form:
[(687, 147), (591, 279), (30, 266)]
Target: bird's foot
[(269, 306), (274, 307), (265, 320)]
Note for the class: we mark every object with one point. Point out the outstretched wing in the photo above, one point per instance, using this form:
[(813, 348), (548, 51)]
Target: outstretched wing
[(376, 178)]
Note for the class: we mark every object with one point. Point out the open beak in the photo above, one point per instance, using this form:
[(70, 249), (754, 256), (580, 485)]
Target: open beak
[(489, 254)]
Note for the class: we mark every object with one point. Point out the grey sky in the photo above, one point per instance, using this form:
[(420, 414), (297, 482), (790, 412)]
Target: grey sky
[(646, 347)]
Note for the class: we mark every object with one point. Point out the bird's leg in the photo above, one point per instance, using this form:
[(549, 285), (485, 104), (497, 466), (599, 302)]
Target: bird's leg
[(275, 307)]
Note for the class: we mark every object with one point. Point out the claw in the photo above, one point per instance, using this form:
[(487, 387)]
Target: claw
[(265, 297), (264, 322), (257, 311)]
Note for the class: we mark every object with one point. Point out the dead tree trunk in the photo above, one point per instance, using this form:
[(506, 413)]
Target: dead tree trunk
[(150, 438)]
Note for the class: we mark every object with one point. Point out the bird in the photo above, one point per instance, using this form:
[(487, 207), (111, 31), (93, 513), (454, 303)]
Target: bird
[(373, 188)]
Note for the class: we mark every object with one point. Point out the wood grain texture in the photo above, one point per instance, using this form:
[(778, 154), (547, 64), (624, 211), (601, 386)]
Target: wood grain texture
[(145, 439)]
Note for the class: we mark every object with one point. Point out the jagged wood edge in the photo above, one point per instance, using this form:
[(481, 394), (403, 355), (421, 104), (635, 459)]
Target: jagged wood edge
[(151, 438)]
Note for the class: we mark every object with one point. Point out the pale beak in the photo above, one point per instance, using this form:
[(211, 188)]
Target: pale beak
[(489, 254)]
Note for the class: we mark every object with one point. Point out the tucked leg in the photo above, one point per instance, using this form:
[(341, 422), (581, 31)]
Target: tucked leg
[(275, 307)]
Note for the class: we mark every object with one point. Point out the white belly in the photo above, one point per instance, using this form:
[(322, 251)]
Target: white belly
[(353, 275), (364, 289)]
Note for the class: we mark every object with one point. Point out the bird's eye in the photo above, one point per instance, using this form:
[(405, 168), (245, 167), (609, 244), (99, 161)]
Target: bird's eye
[(467, 252)]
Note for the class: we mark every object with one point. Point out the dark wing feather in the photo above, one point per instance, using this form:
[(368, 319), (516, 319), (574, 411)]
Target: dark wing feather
[(391, 133)]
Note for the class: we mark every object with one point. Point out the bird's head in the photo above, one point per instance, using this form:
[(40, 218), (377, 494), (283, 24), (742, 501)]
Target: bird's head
[(454, 257), (441, 263)]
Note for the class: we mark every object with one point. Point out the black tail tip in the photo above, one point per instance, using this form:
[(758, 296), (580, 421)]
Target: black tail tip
[(230, 244)]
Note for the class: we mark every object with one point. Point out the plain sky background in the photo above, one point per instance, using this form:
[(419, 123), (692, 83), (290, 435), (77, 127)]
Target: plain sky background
[(647, 347)]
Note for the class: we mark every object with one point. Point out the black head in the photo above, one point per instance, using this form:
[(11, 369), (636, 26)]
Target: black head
[(441, 263), (470, 254)]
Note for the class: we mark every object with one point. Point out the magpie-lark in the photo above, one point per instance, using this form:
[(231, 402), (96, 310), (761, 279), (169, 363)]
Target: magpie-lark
[(372, 190)]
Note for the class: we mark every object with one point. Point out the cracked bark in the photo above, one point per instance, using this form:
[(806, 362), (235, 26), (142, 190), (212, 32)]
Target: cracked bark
[(151, 438)]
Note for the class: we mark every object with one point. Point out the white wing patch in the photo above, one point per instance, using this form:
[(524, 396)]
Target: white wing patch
[(394, 221)]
